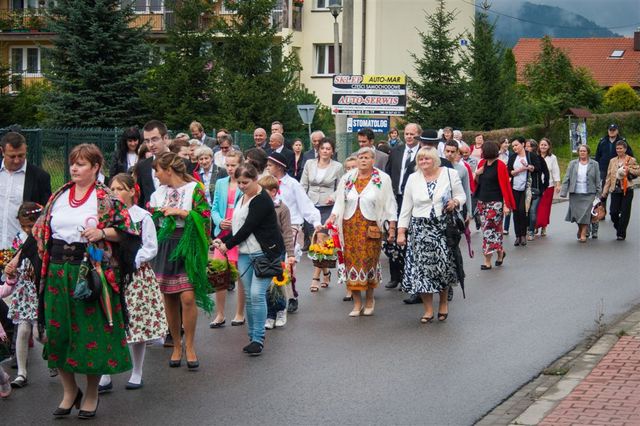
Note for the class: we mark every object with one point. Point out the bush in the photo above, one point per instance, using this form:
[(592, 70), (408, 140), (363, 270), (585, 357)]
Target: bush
[(621, 97)]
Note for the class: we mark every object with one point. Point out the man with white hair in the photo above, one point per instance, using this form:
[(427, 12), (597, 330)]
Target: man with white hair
[(312, 154), (276, 144)]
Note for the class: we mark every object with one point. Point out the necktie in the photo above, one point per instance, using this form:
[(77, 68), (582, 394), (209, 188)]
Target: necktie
[(408, 159)]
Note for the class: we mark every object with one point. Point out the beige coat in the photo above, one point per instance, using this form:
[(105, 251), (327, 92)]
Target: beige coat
[(612, 171)]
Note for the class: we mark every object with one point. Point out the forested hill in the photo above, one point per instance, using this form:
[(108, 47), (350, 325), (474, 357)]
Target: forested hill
[(554, 21)]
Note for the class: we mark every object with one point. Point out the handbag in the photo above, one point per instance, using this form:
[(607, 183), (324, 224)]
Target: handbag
[(374, 232), (88, 285), (391, 249), (454, 225), (598, 212), (263, 267)]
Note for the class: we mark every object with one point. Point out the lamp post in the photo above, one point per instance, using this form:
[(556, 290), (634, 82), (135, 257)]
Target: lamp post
[(335, 7)]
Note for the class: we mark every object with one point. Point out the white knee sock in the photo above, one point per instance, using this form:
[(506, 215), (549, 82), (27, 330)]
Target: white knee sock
[(22, 347), (137, 358), (105, 380)]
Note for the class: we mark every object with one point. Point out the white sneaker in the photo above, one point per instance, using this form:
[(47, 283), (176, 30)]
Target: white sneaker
[(269, 324), (281, 318)]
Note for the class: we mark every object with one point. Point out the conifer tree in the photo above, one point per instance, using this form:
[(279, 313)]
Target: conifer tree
[(96, 64), (437, 93)]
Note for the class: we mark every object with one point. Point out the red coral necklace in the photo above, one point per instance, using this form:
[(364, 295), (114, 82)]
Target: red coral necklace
[(72, 196)]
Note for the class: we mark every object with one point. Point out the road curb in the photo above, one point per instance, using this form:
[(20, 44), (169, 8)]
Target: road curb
[(531, 403)]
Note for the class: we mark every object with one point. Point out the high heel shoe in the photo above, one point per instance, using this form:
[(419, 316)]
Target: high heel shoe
[(367, 312), (84, 414), (425, 319), (59, 412), (356, 313), (175, 363), (326, 284), (442, 317), (499, 262)]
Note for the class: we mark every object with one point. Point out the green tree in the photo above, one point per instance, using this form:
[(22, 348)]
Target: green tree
[(436, 95), (553, 85), (96, 64), (180, 87), (256, 71), (621, 97), (485, 103)]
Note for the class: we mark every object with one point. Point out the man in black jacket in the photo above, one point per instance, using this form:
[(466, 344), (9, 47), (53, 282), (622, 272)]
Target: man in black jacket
[(401, 164), (157, 139), (276, 144)]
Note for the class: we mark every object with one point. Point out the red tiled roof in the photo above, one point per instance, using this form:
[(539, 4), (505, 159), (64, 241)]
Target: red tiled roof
[(590, 53)]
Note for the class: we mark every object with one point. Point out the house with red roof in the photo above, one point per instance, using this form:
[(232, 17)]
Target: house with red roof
[(610, 60)]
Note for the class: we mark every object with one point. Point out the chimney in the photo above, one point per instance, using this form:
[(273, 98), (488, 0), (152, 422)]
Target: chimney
[(636, 40)]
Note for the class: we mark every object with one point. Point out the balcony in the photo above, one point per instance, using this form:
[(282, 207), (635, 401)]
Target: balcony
[(21, 79), (23, 21)]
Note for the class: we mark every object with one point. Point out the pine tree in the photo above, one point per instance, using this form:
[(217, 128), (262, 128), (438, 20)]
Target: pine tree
[(486, 87), (180, 87), (256, 74), (96, 64), (437, 92)]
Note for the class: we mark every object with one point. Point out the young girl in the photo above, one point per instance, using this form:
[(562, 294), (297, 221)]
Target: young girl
[(21, 277), (142, 295), (5, 385), (277, 313)]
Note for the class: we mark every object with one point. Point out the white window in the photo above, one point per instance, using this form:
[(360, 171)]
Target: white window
[(321, 4), (324, 61), (224, 8), (616, 54), (26, 61), (145, 6)]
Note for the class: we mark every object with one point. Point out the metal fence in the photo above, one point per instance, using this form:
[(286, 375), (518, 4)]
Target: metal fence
[(50, 148)]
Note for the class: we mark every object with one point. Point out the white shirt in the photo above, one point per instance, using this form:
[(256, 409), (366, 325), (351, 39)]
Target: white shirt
[(554, 169), (409, 154), (520, 180), (11, 193), (206, 182), (132, 159), (240, 213), (67, 223), (160, 198), (416, 201), (149, 247), (300, 205), (219, 159), (581, 180)]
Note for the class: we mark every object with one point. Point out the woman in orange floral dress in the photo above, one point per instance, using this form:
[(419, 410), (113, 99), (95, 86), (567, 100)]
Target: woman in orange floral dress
[(364, 201)]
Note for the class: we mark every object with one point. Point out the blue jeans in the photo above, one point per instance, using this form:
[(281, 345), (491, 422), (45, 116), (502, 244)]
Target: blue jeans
[(255, 291), (533, 213)]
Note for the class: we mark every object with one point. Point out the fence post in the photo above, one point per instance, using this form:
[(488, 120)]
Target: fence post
[(66, 149)]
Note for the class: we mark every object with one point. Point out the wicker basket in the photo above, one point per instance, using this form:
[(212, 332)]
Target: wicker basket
[(318, 238), (219, 280)]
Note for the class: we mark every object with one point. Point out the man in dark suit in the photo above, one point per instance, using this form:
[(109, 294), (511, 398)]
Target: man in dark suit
[(197, 132), (156, 137), (312, 154), (401, 164), (260, 139), (366, 138), (276, 144)]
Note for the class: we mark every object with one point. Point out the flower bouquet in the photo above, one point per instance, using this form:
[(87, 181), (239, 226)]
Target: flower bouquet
[(322, 251), (221, 273), (5, 257)]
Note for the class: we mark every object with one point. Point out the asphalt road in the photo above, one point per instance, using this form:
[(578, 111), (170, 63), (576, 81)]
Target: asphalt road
[(327, 368)]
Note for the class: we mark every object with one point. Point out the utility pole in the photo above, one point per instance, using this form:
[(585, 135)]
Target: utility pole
[(346, 63)]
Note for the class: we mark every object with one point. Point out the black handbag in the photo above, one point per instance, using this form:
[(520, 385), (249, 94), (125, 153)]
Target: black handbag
[(263, 267)]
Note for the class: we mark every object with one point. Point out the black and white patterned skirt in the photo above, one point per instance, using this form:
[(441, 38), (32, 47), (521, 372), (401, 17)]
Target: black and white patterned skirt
[(429, 266)]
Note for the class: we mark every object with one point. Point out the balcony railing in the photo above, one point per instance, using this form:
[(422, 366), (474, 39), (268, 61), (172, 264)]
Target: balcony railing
[(21, 79), (24, 20)]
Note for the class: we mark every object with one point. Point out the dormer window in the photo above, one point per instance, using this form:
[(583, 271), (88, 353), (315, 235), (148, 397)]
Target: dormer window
[(616, 54)]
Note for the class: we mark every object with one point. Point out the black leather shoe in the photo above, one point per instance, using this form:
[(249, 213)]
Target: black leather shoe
[(176, 363), (292, 306), (193, 365), (254, 348), (246, 348), (220, 324), (59, 412), (413, 299), (391, 284), (84, 414), (105, 388)]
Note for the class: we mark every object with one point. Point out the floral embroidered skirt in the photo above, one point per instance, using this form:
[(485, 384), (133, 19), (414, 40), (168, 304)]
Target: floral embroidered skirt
[(24, 301), (171, 275), (491, 215), (361, 254), (147, 320), (79, 338), (429, 266)]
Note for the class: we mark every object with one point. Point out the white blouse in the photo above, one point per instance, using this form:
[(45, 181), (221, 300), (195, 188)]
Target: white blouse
[(67, 223), (240, 213), (149, 247), (416, 201), (376, 203), (161, 198), (520, 180), (554, 169), (581, 180)]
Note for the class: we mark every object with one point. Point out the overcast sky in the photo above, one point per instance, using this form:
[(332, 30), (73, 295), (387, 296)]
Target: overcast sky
[(612, 14)]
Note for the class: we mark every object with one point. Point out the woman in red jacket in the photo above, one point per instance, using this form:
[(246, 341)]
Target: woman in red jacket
[(495, 199)]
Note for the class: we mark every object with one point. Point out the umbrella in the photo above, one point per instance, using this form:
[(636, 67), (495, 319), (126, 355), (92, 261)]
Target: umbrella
[(105, 298), (467, 235)]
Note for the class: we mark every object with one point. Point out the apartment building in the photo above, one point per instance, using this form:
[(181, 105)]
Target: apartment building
[(385, 33)]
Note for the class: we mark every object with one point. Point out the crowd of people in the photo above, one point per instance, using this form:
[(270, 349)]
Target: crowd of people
[(113, 262)]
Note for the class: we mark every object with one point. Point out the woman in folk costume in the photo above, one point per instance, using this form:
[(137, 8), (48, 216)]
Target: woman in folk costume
[(181, 208)]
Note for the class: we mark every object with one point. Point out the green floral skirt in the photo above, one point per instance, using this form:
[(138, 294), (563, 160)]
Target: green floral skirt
[(80, 339)]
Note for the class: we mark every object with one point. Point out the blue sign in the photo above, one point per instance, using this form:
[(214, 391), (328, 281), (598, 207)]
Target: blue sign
[(378, 125)]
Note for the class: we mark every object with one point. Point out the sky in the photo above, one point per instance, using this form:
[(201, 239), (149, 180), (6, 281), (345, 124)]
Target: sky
[(620, 16)]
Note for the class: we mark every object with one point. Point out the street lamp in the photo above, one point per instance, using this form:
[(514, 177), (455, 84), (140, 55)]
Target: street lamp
[(335, 7)]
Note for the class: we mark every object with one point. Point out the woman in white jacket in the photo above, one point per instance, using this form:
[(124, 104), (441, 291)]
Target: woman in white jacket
[(364, 201), (429, 266)]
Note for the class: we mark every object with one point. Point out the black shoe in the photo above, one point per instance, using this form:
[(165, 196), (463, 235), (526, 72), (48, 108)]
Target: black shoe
[(292, 306), (105, 388), (176, 363), (246, 348), (214, 324), (391, 284), (237, 323), (254, 348), (442, 317), (59, 412), (620, 238), (500, 262), (485, 267), (450, 294), (84, 414), (523, 241), (168, 341), (413, 299), (347, 299), (134, 386), (594, 236), (193, 365), (517, 242)]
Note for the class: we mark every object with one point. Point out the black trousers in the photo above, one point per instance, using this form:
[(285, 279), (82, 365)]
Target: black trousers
[(520, 217), (396, 268), (620, 210)]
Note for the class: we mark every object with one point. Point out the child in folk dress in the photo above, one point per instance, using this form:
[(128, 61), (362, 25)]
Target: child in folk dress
[(147, 321), (21, 278)]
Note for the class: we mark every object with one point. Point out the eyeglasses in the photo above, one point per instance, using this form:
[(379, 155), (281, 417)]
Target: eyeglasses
[(154, 139)]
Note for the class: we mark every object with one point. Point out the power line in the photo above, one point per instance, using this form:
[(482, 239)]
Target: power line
[(488, 10)]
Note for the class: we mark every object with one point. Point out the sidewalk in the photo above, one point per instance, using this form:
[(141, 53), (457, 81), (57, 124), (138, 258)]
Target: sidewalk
[(600, 385)]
